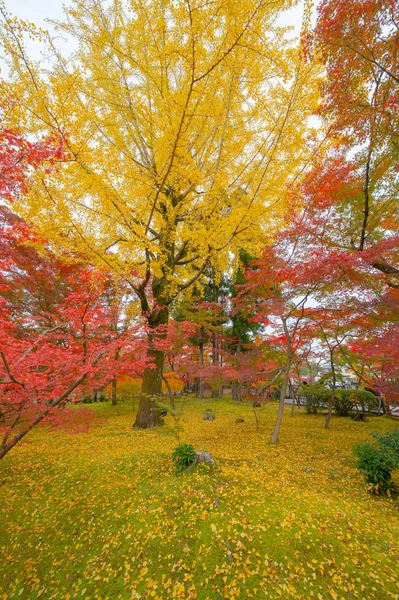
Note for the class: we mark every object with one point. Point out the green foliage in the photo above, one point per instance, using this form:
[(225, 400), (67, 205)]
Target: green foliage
[(345, 401), (95, 500), (183, 456), (91, 399), (376, 466), (389, 442), (316, 398)]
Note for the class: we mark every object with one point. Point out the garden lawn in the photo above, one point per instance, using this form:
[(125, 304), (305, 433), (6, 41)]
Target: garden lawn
[(104, 515)]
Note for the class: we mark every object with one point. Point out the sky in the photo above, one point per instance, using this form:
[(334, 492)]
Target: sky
[(37, 11)]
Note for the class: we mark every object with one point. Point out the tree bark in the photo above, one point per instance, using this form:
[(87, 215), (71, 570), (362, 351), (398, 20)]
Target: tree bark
[(294, 400), (151, 388), (332, 395), (276, 431), (201, 357), (215, 361), (170, 393), (236, 387), (236, 391), (113, 391)]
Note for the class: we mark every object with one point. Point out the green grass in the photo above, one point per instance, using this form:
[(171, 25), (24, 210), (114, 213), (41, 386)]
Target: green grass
[(105, 515)]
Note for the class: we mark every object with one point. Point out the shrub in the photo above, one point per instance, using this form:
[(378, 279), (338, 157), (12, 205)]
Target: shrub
[(367, 400), (183, 456), (390, 443), (87, 400), (376, 466), (91, 399), (316, 398), (344, 401)]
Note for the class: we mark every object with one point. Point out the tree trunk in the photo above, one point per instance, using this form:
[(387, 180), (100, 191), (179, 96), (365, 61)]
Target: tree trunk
[(294, 399), (332, 395), (201, 357), (215, 361), (170, 393), (113, 391), (151, 387), (236, 391), (236, 387), (276, 431)]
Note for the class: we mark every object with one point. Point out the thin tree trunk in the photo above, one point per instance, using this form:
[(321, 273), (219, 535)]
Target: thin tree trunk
[(215, 361), (238, 353), (201, 357), (276, 431), (6, 447), (294, 399), (170, 394), (332, 395), (357, 395), (256, 416), (113, 391)]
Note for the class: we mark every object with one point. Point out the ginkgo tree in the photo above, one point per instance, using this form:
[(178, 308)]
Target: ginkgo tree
[(182, 124)]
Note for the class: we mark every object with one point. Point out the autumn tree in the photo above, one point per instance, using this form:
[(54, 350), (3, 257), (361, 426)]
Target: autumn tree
[(182, 123), (242, 328), (355, 183), (47, 352), (374, 354), (279, 289)]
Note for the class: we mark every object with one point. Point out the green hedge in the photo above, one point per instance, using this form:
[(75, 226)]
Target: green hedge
[(317, 398), (344, 403)]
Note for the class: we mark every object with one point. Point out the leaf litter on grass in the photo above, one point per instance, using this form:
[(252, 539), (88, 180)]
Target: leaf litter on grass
[(105, 515)]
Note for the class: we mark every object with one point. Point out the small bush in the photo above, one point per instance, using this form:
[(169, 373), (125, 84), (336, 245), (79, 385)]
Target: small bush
[(367, 400), (316, 398), (87, 400), (343, 402), (376, 466), (183, 456), (91, 399), (390, 443)]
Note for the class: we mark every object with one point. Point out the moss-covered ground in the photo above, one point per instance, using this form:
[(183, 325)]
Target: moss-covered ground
[(104, 514)]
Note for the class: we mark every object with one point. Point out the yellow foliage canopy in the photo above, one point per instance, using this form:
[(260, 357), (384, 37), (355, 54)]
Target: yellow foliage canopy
[(183, 124)]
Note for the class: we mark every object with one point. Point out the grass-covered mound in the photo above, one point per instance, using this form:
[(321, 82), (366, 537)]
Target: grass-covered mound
[(105, 514)]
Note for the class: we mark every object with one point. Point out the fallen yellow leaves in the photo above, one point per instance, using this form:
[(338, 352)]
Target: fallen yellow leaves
[(104, 515)]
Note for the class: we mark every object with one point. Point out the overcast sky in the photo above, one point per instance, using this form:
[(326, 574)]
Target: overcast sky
[(38, 10)]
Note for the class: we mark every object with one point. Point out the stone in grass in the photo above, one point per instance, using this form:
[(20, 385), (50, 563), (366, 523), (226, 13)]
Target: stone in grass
[(205, 457), (200, 457), (239, 420), (209, 415)]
